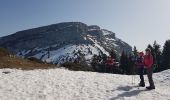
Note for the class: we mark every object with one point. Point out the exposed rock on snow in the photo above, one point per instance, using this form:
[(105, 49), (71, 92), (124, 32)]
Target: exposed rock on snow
[(61, 84)]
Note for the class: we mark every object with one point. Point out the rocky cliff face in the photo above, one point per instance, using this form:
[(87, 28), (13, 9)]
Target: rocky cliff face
[(62, 42)]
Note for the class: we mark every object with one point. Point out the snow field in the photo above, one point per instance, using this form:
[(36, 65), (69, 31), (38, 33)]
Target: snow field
[(61, 84)]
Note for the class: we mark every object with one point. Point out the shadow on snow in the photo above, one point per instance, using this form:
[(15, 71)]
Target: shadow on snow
[(127, 92)]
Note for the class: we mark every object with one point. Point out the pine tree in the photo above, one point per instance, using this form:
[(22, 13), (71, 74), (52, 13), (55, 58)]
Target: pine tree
[(127, 65), (98, 62), (156, 53), (132, 58), (131, 63), (127, 62), (113, 55), (48, 52), (151, 48), (135, 51), (123, 62), (166, 55), (157, 56)]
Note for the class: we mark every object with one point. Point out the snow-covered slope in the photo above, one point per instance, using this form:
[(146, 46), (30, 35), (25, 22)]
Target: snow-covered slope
[(61, 84), (69, 52)]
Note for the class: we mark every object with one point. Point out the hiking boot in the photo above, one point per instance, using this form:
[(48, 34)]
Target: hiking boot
[(150, 88), (142, 84)]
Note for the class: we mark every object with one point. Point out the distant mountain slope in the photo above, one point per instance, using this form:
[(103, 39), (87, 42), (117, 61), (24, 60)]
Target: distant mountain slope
[(61, 42)]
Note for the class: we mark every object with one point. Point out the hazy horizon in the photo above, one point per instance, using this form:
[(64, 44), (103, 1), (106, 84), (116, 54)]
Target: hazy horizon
[(138, 23)]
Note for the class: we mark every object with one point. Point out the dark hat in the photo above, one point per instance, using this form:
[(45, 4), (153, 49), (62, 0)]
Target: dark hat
[(148, 49)]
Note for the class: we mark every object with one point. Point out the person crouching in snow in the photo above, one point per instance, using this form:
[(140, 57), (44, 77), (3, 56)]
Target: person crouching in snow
[(140, 67), (148, 62)]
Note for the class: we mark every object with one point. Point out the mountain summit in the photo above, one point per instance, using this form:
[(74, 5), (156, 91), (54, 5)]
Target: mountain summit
[(63, 42)]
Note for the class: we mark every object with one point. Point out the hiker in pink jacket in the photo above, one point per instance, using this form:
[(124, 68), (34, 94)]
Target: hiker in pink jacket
[(148, 62)]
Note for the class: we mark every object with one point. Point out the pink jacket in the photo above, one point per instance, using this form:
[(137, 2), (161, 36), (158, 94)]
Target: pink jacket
[(148, 60)]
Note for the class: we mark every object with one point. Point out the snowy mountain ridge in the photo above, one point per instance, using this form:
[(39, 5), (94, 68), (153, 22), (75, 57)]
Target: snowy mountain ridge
[(63, 42)]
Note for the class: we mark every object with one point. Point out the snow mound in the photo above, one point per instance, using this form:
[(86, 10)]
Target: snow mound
[(61, 84)]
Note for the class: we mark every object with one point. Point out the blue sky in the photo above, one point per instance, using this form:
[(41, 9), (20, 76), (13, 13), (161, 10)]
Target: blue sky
[(138, 22)]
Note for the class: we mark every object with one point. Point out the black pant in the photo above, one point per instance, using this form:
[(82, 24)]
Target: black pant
[(141, 73), (149, 74)]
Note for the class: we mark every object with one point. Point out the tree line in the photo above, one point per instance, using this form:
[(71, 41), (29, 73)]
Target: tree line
[(161, 58)]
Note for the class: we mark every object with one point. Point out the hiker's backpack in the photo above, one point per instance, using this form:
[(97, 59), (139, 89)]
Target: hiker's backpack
[(139, 60)]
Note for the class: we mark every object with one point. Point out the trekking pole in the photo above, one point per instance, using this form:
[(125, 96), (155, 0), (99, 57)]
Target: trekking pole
[(133, 75), (134, 69), (132, 79)]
